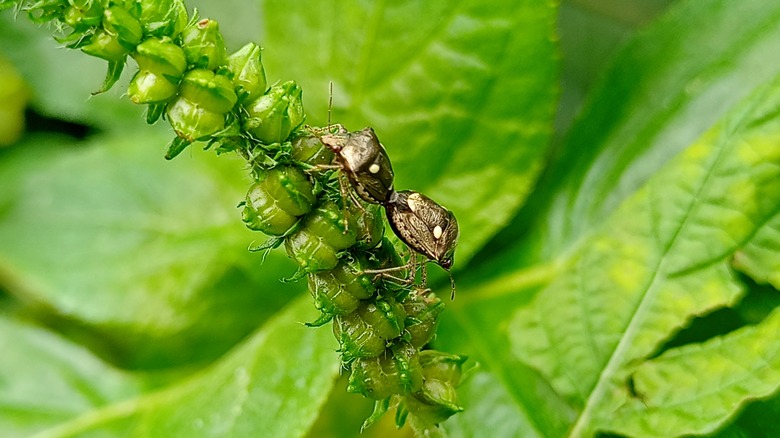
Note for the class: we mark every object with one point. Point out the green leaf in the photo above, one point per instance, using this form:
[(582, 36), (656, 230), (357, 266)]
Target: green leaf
[(509, 389), (45, 380), (760, 258), (661, 259), (462, 100), (715, 376), (143, 259), (13, 99), (668, 85), (272, 385), (661, 92), (491, 405)]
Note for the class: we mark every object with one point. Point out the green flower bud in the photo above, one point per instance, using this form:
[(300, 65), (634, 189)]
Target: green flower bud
[(248, 72), (274, 115), (83, 15), (126, 27), (396, 372), (357, 338), (106, 46), (367, 331), (42, 11), (161, 66), (204, 99), (368, 378), (203, 45), (442, 366), (339, 290), (294, 114), (422, 317), (369, 225), (310, 251), (385, 315), (323, 234), (163, 18), (407, 366), (437, 399), (148, 87), (274, 204), (212, 91), (291, 188), (327, 221), (161, 57), (349, 277), (191, 121), (262, 214), (310, 150)]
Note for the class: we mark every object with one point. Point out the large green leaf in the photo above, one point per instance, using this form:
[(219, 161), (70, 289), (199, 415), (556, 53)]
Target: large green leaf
[(618, 256), (576, 269), (666, 88), (462, 94), (272, 385), (45, 380), (145, 258), (660, 260)]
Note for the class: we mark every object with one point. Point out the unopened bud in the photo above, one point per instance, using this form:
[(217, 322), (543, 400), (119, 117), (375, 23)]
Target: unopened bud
[(106, 46), (161, 65), (397, 371), (122, 24), (163, 18), (338, 291), (323, 234), (203, 45), (274, 115), (83, 15), (422, 317), (437, 399), (248, 72), (203, 101)]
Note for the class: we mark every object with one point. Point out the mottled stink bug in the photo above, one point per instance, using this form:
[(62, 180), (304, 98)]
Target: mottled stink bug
[(365, 162), (425, 226)]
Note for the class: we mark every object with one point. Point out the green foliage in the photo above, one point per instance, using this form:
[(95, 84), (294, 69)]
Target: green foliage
[(616, 277)]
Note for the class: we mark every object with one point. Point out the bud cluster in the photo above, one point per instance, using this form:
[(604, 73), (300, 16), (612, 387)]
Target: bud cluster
[(186, 76)]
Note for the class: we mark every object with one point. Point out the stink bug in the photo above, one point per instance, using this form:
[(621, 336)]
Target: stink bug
[(425, 226), (365, 162)]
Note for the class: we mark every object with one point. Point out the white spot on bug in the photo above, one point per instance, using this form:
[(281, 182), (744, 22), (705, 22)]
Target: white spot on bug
[(437, 232), (412, 201), (374, 168)]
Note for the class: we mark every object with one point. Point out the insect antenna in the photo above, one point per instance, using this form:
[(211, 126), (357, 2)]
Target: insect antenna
[(452, 286)]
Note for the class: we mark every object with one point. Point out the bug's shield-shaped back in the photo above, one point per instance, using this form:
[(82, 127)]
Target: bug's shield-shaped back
[(365, 162), (424, 225)]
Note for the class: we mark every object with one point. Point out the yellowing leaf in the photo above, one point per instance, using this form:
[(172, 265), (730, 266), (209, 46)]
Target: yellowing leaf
[(662, 258)]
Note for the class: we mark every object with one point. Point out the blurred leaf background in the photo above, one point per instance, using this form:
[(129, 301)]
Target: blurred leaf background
[(129, 304)]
